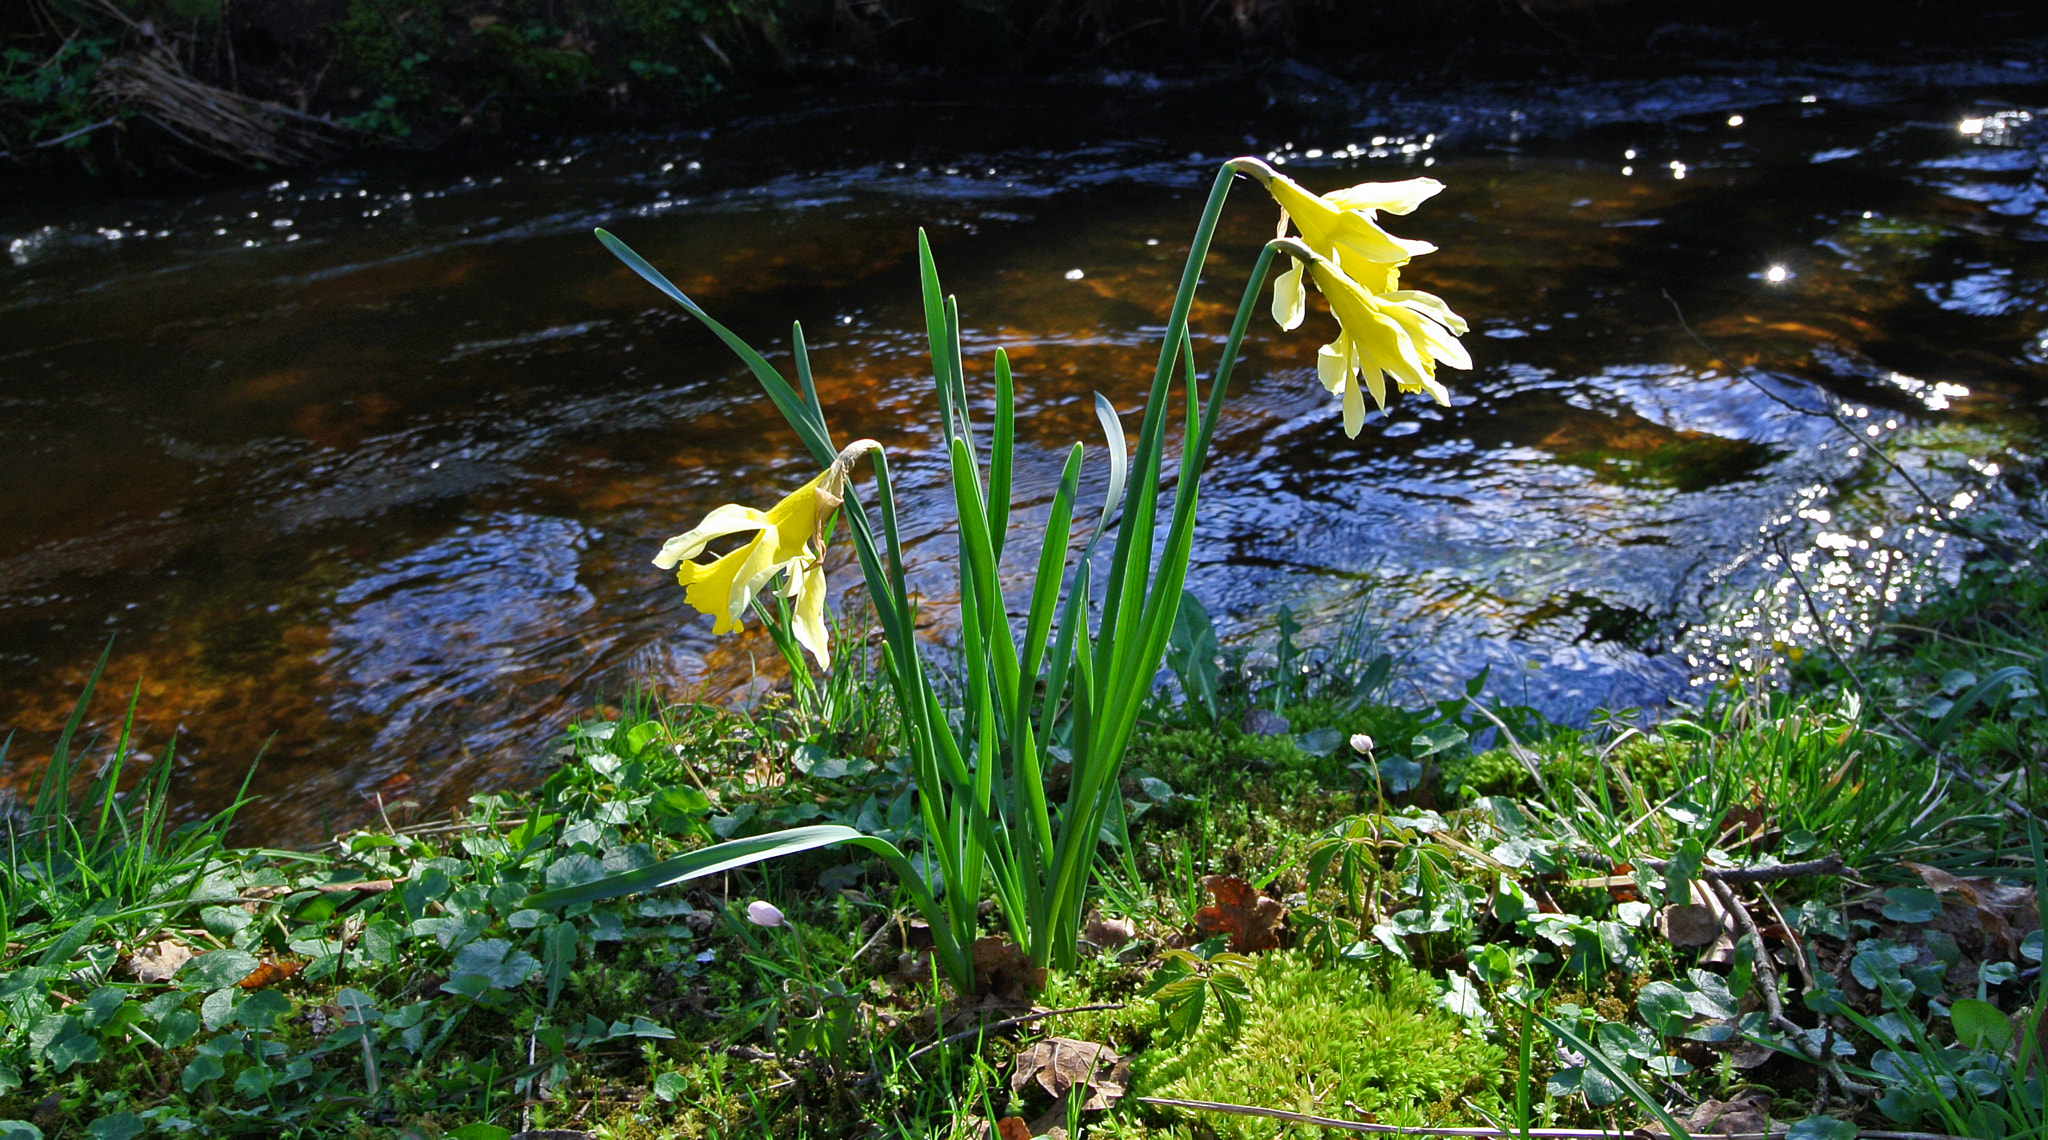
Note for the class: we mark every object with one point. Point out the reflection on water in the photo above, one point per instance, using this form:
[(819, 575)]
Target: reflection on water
[(374, 460)]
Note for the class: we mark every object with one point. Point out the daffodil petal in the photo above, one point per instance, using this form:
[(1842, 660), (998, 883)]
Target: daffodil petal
[(755, 569), (708, 586), (1333, 363), (1393, 197), (1290, 299), (1354, 407), (1375, 337), (728, 519), (1429, 305), (1431, 338), (795, 520), (1376, 383), (1353, 232), (810, 613)]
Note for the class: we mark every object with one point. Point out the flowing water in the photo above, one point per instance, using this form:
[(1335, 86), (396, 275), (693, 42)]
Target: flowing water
[(368, 464)]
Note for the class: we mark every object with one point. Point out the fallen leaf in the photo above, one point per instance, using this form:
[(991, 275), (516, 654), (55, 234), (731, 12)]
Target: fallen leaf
[(1109, 933), (1750, 1115), (1013, 1128), (269, 972), (1689, 925), (1251, 919), (1060, 1064), (1984, 909), (1937, 880), (1751, 1056), (156, 963), (1003, 969), (366, 887), (1052, 1125)]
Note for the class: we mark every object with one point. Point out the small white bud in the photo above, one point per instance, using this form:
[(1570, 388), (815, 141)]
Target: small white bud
[(762, 913), (1361, 743)]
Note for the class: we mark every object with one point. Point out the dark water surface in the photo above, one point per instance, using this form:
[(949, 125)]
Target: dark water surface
[(370, 463)]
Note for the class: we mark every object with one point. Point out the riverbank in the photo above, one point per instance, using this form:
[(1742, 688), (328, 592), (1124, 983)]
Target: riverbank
[(1816, 898), (132, 88)]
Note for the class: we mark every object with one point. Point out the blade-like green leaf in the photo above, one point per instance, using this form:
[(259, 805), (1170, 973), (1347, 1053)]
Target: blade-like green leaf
[(1002, 454), (786, 399), (697, 864), (1119, 465)]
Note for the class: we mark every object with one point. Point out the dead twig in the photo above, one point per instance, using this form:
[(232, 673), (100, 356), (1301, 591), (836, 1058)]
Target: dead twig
[(229, 126), (1767, 985), (1503, 1133), (1776, 872)]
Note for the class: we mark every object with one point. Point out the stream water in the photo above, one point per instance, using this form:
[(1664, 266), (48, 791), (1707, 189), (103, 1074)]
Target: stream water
[(368, 464)]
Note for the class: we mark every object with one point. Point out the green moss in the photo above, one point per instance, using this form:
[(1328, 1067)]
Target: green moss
[(1318, 1037)]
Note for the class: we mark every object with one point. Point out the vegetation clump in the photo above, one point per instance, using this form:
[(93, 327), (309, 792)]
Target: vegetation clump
[(1322, 1037)]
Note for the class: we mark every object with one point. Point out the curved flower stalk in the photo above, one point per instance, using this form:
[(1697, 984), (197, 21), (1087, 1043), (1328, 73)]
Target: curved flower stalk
[(1060, 679), (789, 539)]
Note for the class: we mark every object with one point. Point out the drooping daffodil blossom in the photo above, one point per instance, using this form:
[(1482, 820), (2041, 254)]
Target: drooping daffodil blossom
[(1356, 265), (788, 538), (1384, 334)]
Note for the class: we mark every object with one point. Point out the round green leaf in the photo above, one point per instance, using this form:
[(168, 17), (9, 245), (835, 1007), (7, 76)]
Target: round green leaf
[(1822, 1128), (1911, 904), (1665, 1008), (1980, 1026), (216, 970)]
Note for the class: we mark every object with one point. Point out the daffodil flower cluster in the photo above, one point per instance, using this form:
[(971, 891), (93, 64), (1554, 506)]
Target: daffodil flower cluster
[(789, 539), (1383, 329)]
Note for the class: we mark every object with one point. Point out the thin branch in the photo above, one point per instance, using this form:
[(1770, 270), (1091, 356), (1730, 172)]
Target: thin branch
[(1767, 983), (1360, 1126), (60, 140), (1502, 1133), (1771, 873)]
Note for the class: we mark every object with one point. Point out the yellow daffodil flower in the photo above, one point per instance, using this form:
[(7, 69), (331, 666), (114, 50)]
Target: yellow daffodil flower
[(787, 538), (1396, 334), (1356, 265)]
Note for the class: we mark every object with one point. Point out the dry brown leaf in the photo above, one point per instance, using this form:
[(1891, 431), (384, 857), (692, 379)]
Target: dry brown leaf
[(1060, 1064), (1937, 880), (1004, 970), (1251, 919), (158, 962), (1751, 1056), (1109, 933), (269, 972), (1013, 1128), (1981, 908), (1749, 1115), (1051, 1124), (1689, 925)]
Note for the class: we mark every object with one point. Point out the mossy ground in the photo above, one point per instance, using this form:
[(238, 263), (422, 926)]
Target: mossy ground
[(1436, 888)]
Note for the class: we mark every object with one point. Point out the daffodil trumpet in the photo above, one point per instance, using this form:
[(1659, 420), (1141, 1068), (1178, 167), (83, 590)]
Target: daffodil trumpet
[(1080, 665)]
